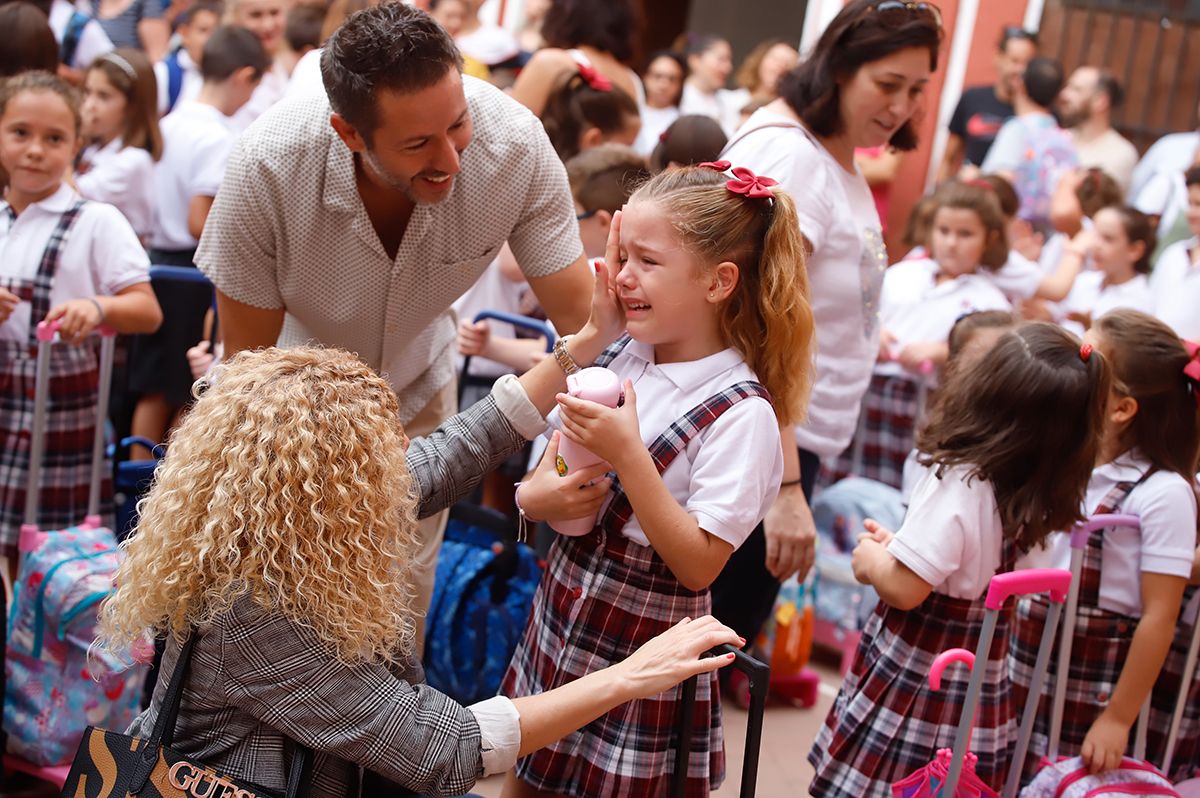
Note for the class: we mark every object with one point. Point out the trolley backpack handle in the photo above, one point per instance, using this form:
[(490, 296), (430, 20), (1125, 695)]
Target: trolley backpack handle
[(1083, 530), (521, 322), (1054, 581), (31, 536), (185, 274), (759, 675), (945, 660)]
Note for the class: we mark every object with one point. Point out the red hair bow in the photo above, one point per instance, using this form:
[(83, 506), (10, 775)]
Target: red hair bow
[(593, 78), (748, 184), (719, 166), (1192, 369)]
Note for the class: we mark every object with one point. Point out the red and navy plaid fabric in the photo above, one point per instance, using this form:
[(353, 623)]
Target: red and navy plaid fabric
[(601, 597), (1185, 763), (887, 721), (71, 414), (1098, 652), (887, 428)]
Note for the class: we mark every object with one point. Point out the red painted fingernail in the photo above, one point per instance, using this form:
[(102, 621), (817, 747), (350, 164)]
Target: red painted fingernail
[(731, 656), (596, 267)]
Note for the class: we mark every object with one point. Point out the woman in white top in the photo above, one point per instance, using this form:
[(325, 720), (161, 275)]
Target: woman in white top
[(664, 76), (120, 119), (710, 63), (806, 140), (593, 33), (759, 75)]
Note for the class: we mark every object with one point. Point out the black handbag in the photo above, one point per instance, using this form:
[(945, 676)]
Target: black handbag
[(112, 765)]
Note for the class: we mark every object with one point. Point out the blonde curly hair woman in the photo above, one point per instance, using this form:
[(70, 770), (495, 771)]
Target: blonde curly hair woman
[(277, 535)]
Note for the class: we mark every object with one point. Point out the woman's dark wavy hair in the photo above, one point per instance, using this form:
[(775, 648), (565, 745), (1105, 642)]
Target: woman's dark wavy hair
[(855, 37), (574, 106), (1026, 417), (1147, 362), (607, 25)]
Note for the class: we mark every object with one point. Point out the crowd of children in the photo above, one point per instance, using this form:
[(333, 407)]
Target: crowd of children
[(1036, 365)]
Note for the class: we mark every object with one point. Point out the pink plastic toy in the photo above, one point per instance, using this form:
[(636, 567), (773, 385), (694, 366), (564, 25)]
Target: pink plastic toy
[(595, 384)]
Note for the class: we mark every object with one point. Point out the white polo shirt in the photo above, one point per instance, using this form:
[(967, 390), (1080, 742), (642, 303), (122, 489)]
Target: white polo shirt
[(845, 270), (916, 308), (1090, 295), (121, 176), (728, 477), (102, 255), (289, 230), (1175, 284), (1166, 506), (952, 535), (196, 144)]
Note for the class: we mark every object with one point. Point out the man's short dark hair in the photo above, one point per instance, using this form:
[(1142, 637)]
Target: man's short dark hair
[(214, 7), (230, 48), (608, 25), (1043, 80), (1192, 176), (303, 28), (1015, 33), (390, 46), (1107, 83)]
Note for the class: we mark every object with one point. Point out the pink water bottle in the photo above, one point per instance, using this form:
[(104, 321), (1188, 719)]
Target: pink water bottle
[(596, 384)]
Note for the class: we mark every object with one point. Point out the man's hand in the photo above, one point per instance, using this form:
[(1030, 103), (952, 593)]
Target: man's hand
[(791, 535)]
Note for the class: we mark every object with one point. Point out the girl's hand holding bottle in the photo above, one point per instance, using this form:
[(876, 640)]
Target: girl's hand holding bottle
[(608, 432), (77, 318), (546, 496)]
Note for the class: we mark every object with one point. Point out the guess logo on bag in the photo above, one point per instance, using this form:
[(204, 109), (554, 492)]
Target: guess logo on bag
[(204, 783)]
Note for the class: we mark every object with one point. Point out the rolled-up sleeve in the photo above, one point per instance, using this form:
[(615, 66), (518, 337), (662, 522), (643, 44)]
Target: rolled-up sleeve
[(499, 733)]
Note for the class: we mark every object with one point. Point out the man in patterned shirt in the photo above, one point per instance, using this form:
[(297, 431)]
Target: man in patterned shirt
[(356, 221)]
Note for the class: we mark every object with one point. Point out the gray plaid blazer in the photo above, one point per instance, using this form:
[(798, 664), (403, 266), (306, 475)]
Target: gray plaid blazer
[(257, 679)]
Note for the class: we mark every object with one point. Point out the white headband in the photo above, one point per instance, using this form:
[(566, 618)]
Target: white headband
[(119, 61)]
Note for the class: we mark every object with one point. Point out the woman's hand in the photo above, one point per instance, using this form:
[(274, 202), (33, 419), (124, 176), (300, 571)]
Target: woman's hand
[(1104, 744), (546, 496), (8, 303), (607, 432), (77, 318), (673, 656), (607, 320)]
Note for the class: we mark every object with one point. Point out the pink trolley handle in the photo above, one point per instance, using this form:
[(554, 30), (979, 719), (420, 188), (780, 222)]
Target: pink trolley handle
[(1054, 581), (1084, 529), (46, 331)]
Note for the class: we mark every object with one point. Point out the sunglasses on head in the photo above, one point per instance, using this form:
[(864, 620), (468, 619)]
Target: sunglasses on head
[(893, 12), (1017, 32), (579, 217)]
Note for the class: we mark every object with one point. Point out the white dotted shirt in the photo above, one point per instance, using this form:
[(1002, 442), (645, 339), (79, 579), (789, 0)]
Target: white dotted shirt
[(289, 230)]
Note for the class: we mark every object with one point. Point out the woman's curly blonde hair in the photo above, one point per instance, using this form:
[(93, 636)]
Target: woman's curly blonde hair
[(286, 482)]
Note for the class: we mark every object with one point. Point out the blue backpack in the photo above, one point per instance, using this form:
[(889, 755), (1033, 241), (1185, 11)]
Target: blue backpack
[(71, 36), (174, 79), (482, 598)]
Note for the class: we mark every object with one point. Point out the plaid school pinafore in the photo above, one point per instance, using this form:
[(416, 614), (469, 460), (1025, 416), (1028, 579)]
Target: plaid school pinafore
[(887, 721), (71, 415), (1099, 649), (601, 597)]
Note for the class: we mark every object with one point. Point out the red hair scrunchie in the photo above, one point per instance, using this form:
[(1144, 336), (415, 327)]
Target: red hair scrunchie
[(593, 78)]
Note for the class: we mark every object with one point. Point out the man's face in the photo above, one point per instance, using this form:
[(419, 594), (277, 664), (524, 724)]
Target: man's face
[(1075, 100), (1011, 62), (420, 136)]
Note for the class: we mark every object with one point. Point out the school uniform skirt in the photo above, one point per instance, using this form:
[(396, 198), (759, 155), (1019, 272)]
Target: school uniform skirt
[(70, 432), (601, 597), (1099, 650), (888, 722), (887, 427)]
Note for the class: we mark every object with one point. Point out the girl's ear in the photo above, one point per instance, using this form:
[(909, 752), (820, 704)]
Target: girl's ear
[(592, 137), (723, 281), (603, 218), (1137, 250), (1123, 409)]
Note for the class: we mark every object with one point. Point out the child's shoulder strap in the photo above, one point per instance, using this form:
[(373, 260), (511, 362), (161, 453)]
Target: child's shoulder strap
[(71, 36), (780, 122), (174, 79), (614, 349)]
